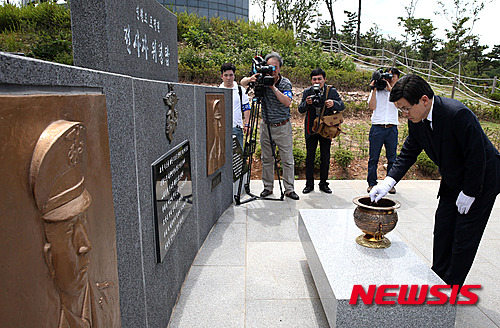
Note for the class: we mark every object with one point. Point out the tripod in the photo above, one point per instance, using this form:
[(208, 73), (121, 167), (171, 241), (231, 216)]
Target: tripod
[(250, 145)]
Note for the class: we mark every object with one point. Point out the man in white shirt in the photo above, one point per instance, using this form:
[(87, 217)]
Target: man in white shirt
[(384, 130), (240, 102)]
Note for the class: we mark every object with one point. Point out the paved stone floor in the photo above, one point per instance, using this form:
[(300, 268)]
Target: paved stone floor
[(252, 270)]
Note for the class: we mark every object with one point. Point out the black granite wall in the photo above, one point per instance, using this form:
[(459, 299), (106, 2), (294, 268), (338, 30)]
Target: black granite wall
[(136, 124)]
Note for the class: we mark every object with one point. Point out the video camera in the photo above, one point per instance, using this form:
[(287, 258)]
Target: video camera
[(318, 95), (380, 78), (265, 71)]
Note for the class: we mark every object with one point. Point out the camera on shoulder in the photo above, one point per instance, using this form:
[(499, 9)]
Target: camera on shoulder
[(265, 71), (380, 79), (318, 95)]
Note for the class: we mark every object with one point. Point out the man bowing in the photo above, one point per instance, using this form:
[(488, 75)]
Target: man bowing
[(469, 165)]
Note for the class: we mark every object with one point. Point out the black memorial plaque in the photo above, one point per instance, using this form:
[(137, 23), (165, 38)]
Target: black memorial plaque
[(172, 195)]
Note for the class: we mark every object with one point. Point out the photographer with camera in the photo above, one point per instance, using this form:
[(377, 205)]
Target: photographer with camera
[(276, 92), (314, 99), (384, 129)]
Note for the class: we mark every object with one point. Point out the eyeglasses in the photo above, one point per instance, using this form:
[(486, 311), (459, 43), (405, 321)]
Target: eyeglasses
[(405, 110)]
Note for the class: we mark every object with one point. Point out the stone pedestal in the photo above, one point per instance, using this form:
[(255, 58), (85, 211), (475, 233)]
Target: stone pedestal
[(337, 264)]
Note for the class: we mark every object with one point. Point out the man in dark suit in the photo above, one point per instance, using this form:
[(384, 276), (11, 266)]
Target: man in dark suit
[(469, 165), (332, 103)]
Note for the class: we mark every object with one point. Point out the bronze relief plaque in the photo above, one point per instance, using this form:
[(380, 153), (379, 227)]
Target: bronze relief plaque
[(58, 237), (216, 127)]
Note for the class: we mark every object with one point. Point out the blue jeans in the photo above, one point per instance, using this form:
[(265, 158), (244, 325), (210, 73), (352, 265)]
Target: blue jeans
[(379, 136), (238, 132)]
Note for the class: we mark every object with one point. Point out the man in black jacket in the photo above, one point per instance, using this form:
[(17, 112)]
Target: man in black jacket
[(469, 166), (332, 103)]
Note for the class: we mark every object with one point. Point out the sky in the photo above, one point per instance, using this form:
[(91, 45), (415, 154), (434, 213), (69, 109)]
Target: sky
[(385, 14)]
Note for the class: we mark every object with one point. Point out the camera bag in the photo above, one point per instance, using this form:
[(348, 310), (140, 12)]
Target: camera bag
[(328, 126)]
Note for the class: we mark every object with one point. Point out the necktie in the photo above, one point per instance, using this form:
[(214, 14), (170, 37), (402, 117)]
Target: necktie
[(428, 133), (428, 125)]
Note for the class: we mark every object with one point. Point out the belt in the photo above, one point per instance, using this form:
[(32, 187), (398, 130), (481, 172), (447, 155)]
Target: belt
[(279, 124), (384, 125)]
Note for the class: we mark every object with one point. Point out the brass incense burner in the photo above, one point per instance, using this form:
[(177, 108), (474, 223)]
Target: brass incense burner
[(375, 220)]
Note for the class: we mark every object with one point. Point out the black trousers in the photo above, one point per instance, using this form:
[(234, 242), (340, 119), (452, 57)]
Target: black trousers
[(324, 148), (457, 236)]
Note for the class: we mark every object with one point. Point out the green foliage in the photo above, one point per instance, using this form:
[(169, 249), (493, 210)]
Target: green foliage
[(484, 112), (495, 96), (343, 157), (206, 43), (46, 16), (42, 31), (299, 157), (317, 159), (258, 151), (10, 18), (52, 48), (426, 165)]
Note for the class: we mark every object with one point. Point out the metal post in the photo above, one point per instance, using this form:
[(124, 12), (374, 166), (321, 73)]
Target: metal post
[(383, 56), (494, 85), (430, 71), (454, 86)]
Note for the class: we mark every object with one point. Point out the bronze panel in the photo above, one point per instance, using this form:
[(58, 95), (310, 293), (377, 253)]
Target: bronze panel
[(58, 237), (216, 127)]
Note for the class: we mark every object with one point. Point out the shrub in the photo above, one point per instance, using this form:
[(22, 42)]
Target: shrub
[(426, 165), (258, 151), (495, 96), (484, 112), (343, 157), (42, 31), (299, 157), (317, 159)]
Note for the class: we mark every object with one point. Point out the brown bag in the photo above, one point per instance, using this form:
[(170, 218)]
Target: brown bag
[(328, 126)]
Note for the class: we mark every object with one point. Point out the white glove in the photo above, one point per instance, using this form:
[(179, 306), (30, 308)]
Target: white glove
[(464, 203), (380, 190)]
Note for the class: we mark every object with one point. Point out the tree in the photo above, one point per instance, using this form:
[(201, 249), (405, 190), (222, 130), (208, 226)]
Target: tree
[(333, 28), (408, 22), (420, 32), (295, 14), (262, 6), (349, 27), (462, 17), (359, 24)]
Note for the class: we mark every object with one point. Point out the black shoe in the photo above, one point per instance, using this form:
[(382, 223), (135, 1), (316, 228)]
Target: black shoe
[(266, 193), (325, 188), (308, 189), (292, 195)]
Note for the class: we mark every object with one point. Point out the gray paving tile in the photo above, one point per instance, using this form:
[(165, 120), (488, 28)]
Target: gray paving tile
[(416, 215), (225, 245), (341, 198), (472, 316), (418, 236), (278, 271), (234, 214), (493, 227), (211, 297), (302, 313), (265, 225), (486, 275), (489, 250)]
